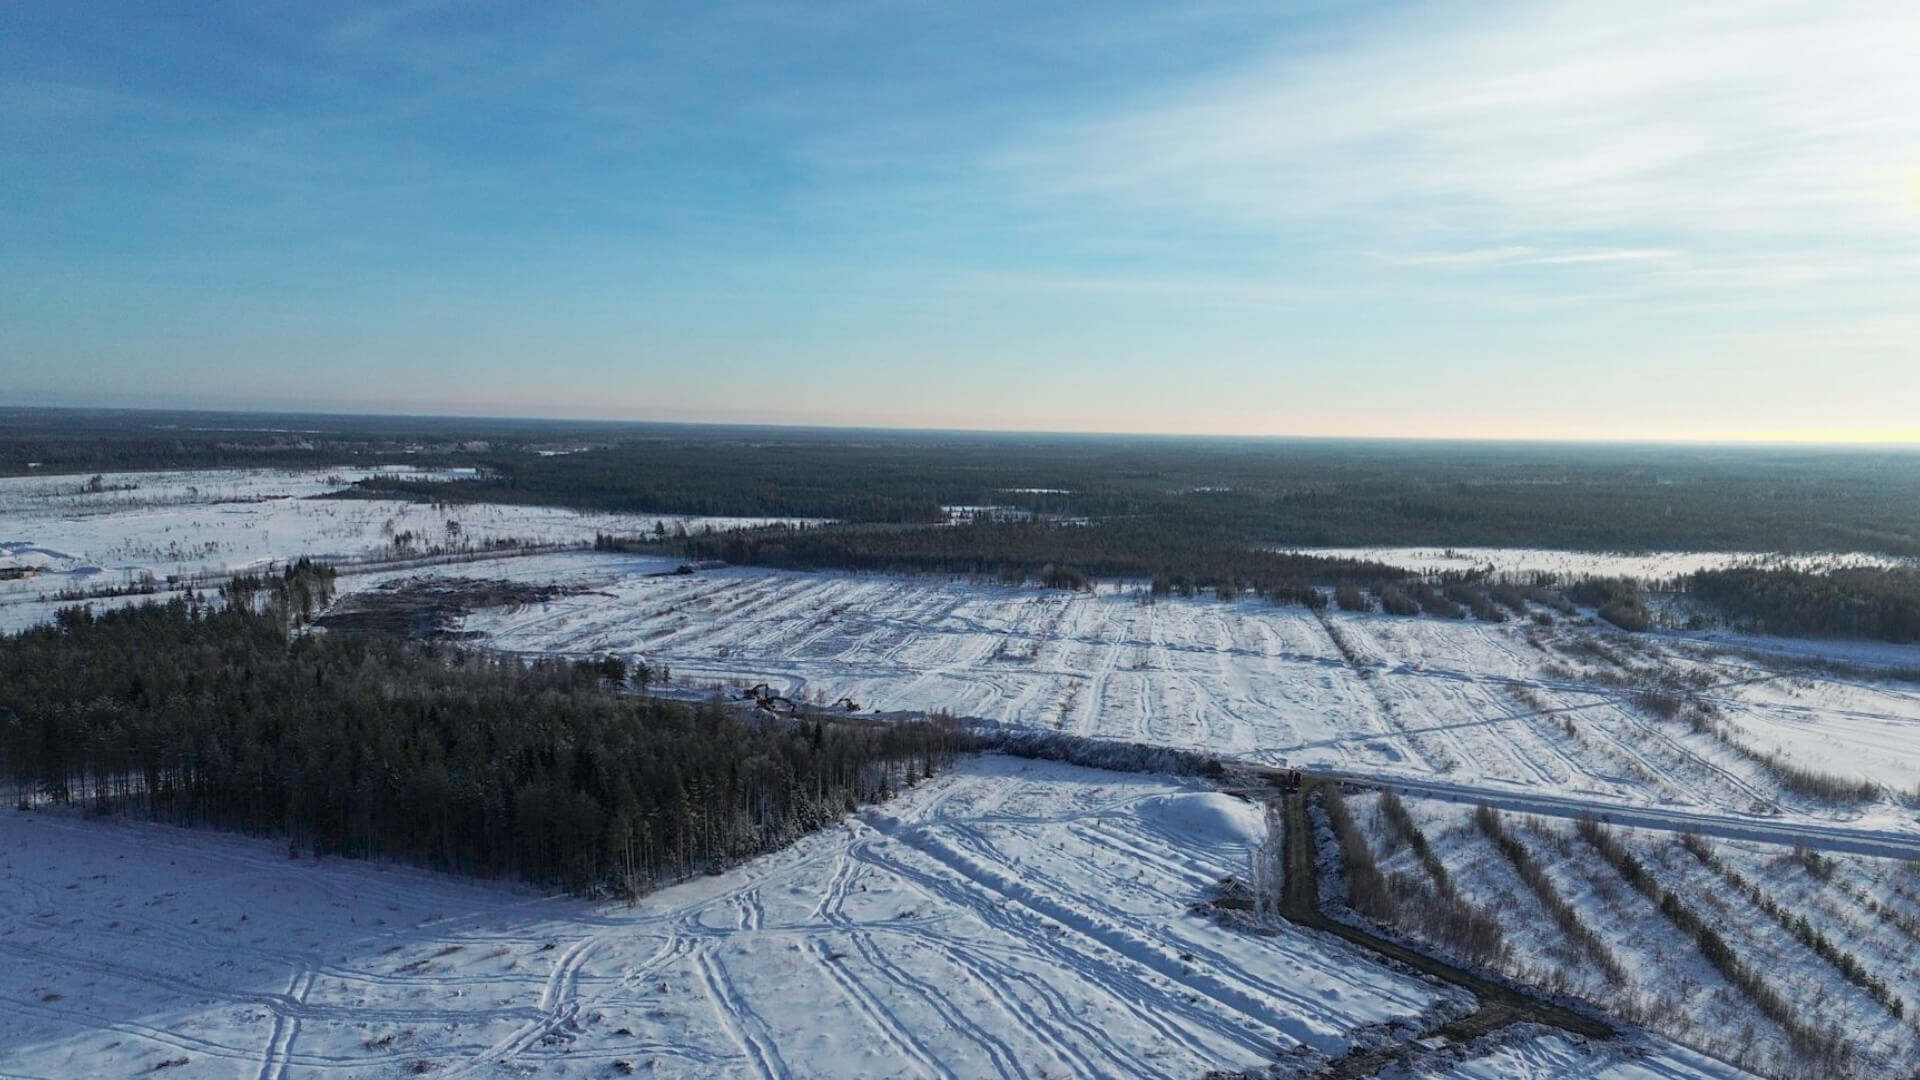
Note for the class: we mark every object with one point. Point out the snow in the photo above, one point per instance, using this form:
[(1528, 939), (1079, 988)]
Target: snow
[(1865, 905), (1505, 706), (1013, 918), (1647, 566), (1501, 707), (1206, 818), (179, 524), (1552, 1056), (1854, 727)]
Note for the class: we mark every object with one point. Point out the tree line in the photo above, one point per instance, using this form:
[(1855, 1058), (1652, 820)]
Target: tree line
[(1178, 560), (223, 712), (1882, 603), (1279, 493)]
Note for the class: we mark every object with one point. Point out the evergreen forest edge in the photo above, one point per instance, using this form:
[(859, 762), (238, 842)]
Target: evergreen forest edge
[(222, 712)]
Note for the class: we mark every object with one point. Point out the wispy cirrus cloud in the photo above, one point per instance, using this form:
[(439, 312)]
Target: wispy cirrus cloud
[(1558, 133), (1522, 255)]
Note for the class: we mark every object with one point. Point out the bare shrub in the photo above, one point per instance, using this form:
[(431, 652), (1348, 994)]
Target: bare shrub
[(1351, 597), (1395, 601), (1848, 965), (1432, 908), (1367, 889), (1403, 825), (1821, 1046), (1564, 914)]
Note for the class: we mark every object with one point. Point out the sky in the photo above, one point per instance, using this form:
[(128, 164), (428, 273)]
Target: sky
[(1634, 219)]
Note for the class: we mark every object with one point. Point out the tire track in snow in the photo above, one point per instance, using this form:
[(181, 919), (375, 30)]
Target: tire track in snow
[(744, 1026), (831, 909), (286, 1026), (276, 1002), (1223, 969), (997, 899), (1685, 753), (994, 978), (753, 916), (178, 1040), (874, 1011), (558, 1005)]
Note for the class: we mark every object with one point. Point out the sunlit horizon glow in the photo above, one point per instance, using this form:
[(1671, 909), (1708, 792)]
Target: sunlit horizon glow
[(1540, 220)]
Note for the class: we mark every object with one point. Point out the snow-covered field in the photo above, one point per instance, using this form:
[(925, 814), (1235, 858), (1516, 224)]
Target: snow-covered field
[(1502, 705), (1842, 726), (153, 526), (1571, 565), (1510, 706), (1869, 908), (1012, 919)]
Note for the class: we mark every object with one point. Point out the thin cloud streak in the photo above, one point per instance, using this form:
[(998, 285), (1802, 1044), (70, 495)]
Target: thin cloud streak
[(1527, 256), (1738, 130)]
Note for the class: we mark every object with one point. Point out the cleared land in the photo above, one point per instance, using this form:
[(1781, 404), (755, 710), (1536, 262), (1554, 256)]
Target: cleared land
[(131, 531), (1834, 940), (1014, 919), (1512, 707)]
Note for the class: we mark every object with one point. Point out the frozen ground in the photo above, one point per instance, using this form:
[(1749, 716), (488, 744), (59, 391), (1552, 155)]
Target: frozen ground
[(1510, 706), (1647, 566), (1556, 1057), (1013, 919), (1868, 908), (1502, 706), (143, 526)]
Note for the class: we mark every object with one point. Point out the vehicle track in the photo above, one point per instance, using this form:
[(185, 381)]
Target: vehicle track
[(744, 1026), (1499, 1005), (1006, 1063), (994, 977), (286, 1025), (874, 1011), (999, 897)]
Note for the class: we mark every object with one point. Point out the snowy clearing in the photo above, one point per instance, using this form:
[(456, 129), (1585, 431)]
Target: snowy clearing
[(1017, 919), (1501, 706), (141, 527), (1775, 908), (1012, 919), (1571, 565)]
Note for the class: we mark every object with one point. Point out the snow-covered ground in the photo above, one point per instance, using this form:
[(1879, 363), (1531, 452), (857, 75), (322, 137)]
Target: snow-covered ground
[(1869, 908), (1507, 706), (152, 526), (1570, 565), (1512, 705), (1018, 919), (1844, 726), (1012, 919), (1537, 1056)]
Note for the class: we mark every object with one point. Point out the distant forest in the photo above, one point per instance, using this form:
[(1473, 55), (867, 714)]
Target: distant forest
[(1178, 560), (1271, 492), (1191, 515), (218, 713), (1858, 602)]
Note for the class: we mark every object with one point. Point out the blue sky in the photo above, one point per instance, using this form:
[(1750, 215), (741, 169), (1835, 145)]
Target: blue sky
[(1546, 219)]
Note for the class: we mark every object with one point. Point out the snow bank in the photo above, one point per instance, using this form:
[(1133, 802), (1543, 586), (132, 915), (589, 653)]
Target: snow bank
[(1209, 819)]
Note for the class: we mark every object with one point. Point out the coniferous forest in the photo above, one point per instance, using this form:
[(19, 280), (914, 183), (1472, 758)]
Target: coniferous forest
[(222, 712), (1861, 601), (1247, 492)]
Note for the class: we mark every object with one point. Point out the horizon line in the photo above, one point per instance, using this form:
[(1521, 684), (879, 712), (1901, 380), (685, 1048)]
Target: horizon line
[(1862, 440)]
